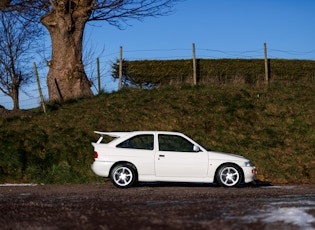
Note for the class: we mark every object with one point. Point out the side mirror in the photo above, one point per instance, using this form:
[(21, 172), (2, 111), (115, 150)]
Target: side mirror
[(196, 148)]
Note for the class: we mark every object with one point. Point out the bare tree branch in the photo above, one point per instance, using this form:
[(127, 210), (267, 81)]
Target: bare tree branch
[(65, 20), (16, 39)]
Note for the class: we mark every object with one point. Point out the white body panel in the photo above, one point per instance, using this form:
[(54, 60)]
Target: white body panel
[(155, 165), (181, 164)]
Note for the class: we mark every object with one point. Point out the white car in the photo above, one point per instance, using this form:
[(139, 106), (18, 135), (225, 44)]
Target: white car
[(156, 156)]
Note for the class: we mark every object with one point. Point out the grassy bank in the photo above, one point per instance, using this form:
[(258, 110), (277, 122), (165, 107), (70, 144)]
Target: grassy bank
[(273, 127)]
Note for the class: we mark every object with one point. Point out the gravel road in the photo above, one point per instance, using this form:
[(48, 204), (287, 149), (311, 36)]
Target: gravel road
[(157, 206)]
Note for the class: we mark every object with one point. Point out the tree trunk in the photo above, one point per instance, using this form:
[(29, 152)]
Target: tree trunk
[(15, 97), (66, 77)]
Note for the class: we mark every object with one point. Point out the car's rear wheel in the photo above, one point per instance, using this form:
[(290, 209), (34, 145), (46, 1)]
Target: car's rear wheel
[(229, 175), (123, 175)]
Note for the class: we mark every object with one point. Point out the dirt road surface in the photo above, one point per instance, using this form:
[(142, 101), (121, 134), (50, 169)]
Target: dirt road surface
[(157, 206)]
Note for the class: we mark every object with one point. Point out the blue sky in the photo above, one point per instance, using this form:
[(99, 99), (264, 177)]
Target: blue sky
[(219, 29)]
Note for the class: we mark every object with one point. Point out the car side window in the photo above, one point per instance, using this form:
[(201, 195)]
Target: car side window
[(138, 142), (174, 143)]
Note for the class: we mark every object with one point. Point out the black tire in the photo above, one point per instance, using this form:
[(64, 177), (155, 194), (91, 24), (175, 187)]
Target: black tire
[(229, 175), (123, 175)]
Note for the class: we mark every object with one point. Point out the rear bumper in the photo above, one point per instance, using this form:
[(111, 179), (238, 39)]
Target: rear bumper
[(101, 168)]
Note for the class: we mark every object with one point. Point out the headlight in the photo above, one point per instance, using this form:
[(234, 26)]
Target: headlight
[(248, 164)]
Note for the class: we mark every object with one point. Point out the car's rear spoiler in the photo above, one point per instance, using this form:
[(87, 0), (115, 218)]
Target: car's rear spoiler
[(111, 134)]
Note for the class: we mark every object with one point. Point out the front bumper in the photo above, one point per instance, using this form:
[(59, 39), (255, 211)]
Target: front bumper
[(249, 174)]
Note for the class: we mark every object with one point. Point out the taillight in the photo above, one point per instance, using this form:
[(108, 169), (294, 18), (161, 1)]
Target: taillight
[(95, 155)]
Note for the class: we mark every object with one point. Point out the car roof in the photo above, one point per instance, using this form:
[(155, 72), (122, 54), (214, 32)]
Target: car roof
[(121, 134)]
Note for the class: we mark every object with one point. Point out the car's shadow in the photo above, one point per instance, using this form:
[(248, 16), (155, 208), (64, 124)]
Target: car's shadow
[(256, 183)]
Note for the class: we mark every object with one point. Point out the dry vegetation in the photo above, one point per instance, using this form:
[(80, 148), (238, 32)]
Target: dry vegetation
[(273, 127)]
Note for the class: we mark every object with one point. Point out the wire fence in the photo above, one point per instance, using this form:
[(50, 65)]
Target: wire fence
[(29, 94)]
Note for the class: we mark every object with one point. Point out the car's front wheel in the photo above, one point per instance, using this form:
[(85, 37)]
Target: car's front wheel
[(123, 175), (229, 175)]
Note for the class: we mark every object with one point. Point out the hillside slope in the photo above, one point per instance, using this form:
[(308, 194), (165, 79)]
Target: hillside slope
[(273, 127)]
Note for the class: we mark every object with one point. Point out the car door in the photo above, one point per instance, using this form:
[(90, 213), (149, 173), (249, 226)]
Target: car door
[(176, 157)]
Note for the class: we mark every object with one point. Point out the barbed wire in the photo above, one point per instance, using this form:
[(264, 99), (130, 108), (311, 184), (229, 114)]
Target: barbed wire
[(29, 96)]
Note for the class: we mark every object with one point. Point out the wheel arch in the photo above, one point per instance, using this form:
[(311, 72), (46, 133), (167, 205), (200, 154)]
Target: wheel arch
[(124, 163), (233, 164)]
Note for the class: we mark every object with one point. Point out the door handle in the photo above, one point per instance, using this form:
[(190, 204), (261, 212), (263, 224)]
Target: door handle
[(161, 155)]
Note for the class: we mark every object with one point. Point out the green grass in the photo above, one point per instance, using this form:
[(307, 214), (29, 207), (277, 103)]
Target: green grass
[(273, 127)]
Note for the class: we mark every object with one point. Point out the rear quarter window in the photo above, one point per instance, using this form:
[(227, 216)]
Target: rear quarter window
[(138, 142)]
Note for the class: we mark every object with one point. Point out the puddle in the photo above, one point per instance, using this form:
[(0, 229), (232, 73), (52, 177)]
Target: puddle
[(291, 210), (295, 216)]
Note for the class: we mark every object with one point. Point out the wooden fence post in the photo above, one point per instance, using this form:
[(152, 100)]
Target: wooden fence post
[(266, 66), (120, 67), (194, 65), (98, 75), (39, 89)]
